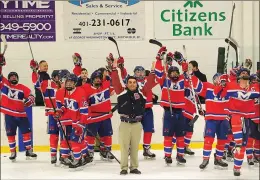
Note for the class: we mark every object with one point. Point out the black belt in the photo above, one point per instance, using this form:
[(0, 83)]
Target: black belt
[(130, 120)]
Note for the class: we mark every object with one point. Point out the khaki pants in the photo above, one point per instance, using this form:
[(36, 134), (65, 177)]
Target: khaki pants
[(129, 136)]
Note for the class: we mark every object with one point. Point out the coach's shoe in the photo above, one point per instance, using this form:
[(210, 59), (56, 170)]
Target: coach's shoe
[(135, 171), (147, 153), (13, 156), (30, 155), (188, 151), (123, 172)]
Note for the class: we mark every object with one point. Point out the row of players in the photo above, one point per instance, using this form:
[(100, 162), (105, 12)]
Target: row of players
[(78, 109)]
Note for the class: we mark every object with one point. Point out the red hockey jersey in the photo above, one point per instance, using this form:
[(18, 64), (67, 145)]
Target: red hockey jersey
[(74, 106), (12, 98), (256, 117), (98, 101), (48, 88), (241, 101)]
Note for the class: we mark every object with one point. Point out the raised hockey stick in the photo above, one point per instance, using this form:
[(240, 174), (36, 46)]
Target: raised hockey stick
[(196, 116), (4, 42), (97, 138), (235, 46), (30, 44), (114, 41), (229, 36), (63, 132), (153, 41)]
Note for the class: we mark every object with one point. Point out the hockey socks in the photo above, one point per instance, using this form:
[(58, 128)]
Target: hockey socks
[(147, 140), (64, 149), (187, 138), (238, 157), (249, 148), (180, 146), (257, 148), (220, 148), (91, 143), (12, 143), (27, 141), (167, 146), (54, 139), (208, 141)]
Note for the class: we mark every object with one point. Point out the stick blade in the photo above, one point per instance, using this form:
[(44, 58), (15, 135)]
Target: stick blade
[(153, 41), (4, 42), (232, 43), (112, 39)]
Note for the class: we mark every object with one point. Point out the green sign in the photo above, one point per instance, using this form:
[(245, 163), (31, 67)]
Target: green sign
[(197, 21)]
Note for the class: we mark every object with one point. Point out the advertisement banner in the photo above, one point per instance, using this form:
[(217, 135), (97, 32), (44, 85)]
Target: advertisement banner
[(88, 20), (20, 20), (192, 19)]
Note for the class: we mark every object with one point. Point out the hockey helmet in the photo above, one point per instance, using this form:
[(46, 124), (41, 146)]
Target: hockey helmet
[(13, 74), (173, 69), (96, 74), (254, 78), (55, 73), (63, 73), (215, 78)]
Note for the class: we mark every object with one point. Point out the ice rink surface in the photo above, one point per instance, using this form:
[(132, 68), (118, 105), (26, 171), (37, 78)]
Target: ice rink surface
[(151, 169)]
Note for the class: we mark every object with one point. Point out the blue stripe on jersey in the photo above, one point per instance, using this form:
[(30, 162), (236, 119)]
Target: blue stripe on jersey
[(158, 73), (210, 95), (59, 105), (83, 110), (173, 86), (99, 97), (13, 94)]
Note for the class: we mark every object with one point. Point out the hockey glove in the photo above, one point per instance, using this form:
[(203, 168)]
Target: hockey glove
[(184, 66), (78, 128), (77, 60), (223, 80), (120, 62), (2, 60), (29, 101), (57, 115), (34, 65), (160, 55), (178, 57), (169, 58), (248, 64)]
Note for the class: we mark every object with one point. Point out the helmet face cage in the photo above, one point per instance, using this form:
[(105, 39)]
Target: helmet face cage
[(173, 69), (215, 78), (241, 70), (96, 74), (63, 74), (139, 72), (13, 74), (71, 78)]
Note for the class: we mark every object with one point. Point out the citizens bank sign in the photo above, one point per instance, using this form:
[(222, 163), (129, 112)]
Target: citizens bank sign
[(80, 2)]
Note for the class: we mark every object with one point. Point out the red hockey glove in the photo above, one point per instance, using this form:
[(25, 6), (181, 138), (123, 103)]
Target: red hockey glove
[(169, 58), (57, 115), (2, 60), (77, 60), (184, 66), (29, 101), (110, 58), (34, 65), (178, 57), (162, 51), (120, 62), (223, 79)]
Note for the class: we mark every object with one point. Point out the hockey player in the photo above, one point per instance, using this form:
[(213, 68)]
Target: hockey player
[(72, 112), (48, 87), (172, 100), (240, 95), (216, 119), (98, 98), (148, 119), (14, 99), (253, 143)]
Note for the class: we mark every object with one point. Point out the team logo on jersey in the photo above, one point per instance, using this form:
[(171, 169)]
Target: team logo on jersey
[(70, 104), (137, 96), (175, 86), (243, 96), (13, 94), (99, 98)]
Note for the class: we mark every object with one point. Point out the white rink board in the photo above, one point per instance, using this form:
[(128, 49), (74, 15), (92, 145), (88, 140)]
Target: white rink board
[(41, 138)]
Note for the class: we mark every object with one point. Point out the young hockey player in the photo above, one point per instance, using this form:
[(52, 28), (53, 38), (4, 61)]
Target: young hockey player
[(48, 87), (72, 112), (98, 98), (172, 100), (15, 98)]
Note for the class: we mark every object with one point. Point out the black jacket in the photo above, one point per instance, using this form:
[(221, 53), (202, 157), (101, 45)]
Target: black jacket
[(203, 78), (131, 103)]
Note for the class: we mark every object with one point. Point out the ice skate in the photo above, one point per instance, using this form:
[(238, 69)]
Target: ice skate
[(236, 172), (13, 156), (106, 156), (53, 159), (148, 154), (180, 160), (188, 151), (219, 164), (250, 162), (30, 155), (76, 165), (65, 162), (204, 164), (225, 155), (168, 160), (230, 156)]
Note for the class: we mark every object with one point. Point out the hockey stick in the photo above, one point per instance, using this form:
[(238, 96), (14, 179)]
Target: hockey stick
[(63, 132), (235, 46), (4, 42), (153, 41), (30, 43), (230, 30), (196, 116), (104, 146), (114, 41)]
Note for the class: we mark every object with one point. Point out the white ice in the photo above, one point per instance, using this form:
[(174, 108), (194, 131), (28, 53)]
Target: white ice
[(151, 169)]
